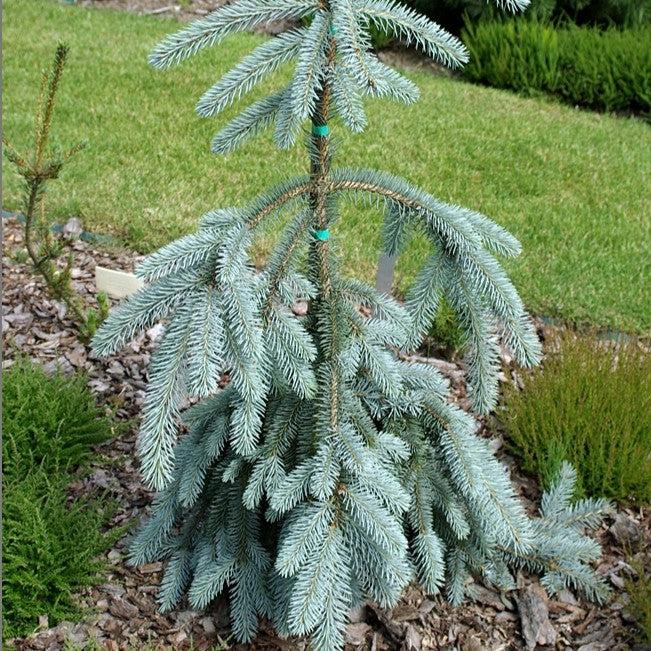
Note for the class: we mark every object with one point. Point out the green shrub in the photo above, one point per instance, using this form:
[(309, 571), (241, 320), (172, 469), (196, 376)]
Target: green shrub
[(603, 70), (517, 54), (589, 404), (49, 550), (639, 592), (608, 70), (602, 13), (445, 331), (49, 541), (48, 422)]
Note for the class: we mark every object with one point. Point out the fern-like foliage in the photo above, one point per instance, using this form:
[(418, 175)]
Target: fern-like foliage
[(329, 470)]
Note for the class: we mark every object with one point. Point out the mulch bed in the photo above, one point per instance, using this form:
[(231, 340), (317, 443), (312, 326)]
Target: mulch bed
[(122, 611)]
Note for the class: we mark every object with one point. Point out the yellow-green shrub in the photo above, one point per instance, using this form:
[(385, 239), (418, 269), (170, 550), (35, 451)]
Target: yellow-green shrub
[(589, 404)]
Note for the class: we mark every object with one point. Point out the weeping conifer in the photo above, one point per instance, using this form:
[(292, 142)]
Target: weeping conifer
[(329, 470)]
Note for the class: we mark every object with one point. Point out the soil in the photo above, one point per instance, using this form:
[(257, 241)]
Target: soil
[(122, 611)]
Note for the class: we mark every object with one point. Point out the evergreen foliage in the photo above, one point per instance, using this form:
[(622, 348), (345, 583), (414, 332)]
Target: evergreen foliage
[(50, 543), (49, 422), (452, 14), (329, 470), (604, 70)]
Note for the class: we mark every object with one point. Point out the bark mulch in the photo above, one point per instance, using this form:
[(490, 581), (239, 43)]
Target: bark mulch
[(122, 612)]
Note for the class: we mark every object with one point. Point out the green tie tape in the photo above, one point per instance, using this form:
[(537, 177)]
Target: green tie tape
[(322, 235), (333, 29), (321, 130)]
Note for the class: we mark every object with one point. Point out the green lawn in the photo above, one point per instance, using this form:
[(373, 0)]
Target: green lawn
[(573, 186)]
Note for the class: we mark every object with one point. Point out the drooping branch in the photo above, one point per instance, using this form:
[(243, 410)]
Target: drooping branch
[(237, 17), (414, 29), (269, 203), (281, 260), (458, 235), (264, 60)]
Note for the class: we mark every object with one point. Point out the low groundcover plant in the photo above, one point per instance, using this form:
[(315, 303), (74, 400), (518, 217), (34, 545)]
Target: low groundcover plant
[(329, 470)]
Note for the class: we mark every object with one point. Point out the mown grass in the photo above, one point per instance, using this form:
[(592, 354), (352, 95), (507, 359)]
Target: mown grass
[(589, 404), (573, 186), (50, 543)]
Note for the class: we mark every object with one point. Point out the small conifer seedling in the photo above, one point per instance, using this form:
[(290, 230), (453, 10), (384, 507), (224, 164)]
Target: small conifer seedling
[(38, 168), (329, 470)]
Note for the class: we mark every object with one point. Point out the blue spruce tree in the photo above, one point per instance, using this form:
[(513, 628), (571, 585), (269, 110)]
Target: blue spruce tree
[(329, 470)]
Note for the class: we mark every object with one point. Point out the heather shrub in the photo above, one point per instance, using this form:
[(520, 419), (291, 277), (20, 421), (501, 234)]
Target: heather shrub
[(602, 13), (605, 70), (518, 54), (50, 549), (589, 403)]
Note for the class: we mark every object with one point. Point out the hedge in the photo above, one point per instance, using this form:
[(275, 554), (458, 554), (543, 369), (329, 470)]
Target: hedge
[(605, 70)]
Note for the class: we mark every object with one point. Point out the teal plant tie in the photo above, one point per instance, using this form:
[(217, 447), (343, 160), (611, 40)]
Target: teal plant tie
[(322, 235), (321, 130), (333, 29)]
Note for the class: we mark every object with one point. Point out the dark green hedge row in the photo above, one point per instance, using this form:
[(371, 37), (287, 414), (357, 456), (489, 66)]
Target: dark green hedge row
[(602, 13), (603, 70)]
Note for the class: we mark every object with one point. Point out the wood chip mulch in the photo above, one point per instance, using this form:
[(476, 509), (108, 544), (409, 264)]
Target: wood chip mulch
[(122, 611)]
